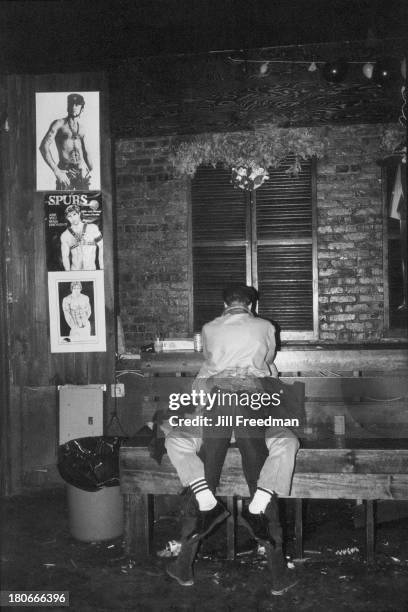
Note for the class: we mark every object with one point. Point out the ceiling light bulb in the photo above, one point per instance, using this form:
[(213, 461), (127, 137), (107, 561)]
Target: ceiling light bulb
[(368, 70), (264, 68)]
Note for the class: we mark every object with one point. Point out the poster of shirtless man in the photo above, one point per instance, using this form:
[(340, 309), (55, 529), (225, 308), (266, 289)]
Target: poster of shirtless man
[(74, 230), (77, 311), (68, 141)]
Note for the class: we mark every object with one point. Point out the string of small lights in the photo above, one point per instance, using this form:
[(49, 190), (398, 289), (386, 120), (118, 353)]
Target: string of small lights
[(381, 70)]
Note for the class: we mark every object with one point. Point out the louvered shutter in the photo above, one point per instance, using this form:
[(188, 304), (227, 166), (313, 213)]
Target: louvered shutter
[(285, 285), (284, 250), (214, 267), (219, 220), (265, 238)]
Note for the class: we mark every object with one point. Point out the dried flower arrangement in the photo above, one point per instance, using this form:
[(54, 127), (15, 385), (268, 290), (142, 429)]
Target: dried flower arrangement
[(248, 154)]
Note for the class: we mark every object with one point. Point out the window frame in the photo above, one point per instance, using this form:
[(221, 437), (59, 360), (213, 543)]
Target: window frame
[(389, 332), (251, 245)]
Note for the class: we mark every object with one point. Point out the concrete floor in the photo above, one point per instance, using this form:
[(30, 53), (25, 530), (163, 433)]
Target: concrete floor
[(38, 553)]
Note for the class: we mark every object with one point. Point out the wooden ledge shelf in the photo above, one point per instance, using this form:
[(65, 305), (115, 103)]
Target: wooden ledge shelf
[(380, 357)]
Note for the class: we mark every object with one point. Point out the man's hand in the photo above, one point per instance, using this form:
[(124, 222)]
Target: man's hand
[(62, 177)]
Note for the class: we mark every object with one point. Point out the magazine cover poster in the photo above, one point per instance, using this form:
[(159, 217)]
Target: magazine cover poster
[(74, 231), (77, 311), (67, 141)]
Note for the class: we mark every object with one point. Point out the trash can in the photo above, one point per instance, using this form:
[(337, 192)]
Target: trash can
[(95, 516), (90, 467)]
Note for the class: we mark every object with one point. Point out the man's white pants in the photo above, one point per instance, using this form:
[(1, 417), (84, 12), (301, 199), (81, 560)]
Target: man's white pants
[(277, 471)]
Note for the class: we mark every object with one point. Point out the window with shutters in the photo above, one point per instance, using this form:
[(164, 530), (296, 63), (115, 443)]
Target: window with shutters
[(395, 248), (265, 238)]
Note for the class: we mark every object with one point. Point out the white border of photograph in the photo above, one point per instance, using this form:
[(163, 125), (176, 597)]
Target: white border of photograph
[(62, 341), (50, 106)]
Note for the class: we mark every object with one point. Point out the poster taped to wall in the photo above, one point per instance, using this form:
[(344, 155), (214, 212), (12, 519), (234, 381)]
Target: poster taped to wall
[(68, 141), (77, 311), (74, 231)]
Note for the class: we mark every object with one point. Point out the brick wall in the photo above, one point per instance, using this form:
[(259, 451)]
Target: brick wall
[(153, 251), (350, 236), (151, 242)]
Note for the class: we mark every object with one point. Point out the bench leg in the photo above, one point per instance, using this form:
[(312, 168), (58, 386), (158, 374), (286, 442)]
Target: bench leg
[(138, 528), (299, 527), (129, 519), (370, 530), (231, 530)]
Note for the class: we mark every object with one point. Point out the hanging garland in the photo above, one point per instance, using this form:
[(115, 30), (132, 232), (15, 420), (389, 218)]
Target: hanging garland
[(248, 154)]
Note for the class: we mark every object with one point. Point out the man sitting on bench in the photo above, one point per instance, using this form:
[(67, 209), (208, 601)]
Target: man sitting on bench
[(239, 349)]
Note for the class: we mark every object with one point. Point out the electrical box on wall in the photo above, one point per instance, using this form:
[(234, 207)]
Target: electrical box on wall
[(80, 411), (118, 390)]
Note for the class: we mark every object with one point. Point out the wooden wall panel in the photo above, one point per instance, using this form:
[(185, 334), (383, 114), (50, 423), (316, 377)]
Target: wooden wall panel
[(39, 428), (4, 346), (25, 322)]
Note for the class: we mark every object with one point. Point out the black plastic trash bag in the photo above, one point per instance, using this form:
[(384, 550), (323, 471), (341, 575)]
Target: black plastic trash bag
[(90, 463)]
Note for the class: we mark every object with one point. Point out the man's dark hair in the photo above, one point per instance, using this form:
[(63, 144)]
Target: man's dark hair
[(254, 293), (72, 208), (237, 293)]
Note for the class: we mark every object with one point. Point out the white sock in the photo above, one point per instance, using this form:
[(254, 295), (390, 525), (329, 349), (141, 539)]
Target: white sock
[(206, 500), (260, 500), (204, 497)]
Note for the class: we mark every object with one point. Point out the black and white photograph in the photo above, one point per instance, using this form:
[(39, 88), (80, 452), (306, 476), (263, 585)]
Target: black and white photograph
[(204, 305), (77, 312), (68, 141), (74, 231)]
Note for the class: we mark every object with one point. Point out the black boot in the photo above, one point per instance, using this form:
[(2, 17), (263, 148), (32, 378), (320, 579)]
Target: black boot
[(282, 578), (264, 526), (207, 520), (182, 569), (267, 528), (198, 523), (274, 524), (257, 524)]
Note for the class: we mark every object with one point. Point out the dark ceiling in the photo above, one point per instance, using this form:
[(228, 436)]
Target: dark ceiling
[(62, 35)]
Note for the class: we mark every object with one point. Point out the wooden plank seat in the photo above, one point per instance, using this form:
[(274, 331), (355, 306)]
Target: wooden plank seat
[(329, 473)]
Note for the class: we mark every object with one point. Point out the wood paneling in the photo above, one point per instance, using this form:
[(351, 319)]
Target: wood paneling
[(4, 345), (31, 365), (210, 93), (39, 432)]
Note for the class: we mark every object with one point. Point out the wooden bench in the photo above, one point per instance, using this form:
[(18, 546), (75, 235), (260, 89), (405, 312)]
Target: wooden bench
[(371, 466), (368, 474)]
